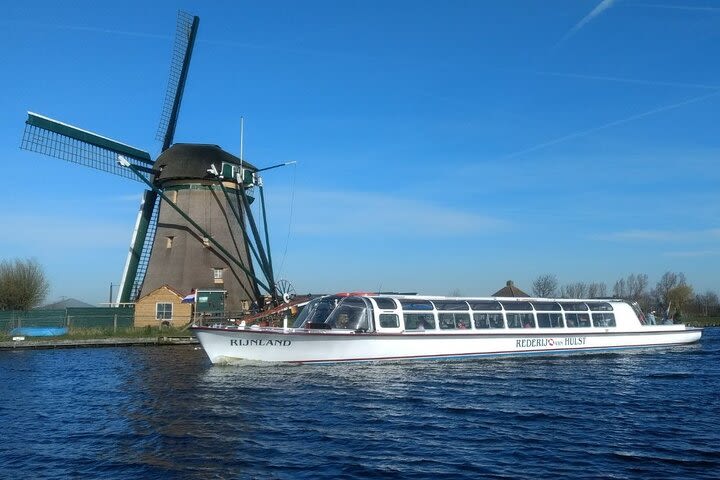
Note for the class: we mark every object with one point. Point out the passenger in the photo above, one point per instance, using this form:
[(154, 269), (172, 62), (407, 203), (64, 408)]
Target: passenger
[(651, 318), (421, 325), (461, 324), (343, 321)]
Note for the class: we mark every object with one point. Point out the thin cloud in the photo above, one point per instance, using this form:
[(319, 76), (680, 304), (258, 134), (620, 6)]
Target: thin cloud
[(361, 213), (661, 235), (693, 253), (614, 123), (227, 43), (125, 33), (64, 233), (599, 9)]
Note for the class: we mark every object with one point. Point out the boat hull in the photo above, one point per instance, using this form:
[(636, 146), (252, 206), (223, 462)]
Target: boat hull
[(224, 345)]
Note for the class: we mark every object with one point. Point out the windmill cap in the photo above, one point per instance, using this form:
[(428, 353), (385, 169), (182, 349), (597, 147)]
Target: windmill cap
[(192, 160)]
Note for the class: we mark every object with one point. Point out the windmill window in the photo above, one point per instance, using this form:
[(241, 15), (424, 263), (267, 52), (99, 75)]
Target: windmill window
[(169, 242), (173, 196), (218, 275), (163, 311)]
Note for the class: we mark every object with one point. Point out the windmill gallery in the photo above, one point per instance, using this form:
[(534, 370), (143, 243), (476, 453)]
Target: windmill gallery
[(195, 228)]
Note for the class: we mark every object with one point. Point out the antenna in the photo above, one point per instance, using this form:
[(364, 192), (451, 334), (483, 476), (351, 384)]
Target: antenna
[(242, 131), (242, 128)]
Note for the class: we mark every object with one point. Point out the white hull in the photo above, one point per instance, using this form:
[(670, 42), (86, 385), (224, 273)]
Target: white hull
[(302, 346)]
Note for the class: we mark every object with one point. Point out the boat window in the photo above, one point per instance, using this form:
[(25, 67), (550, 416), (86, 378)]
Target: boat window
[(416, 304), (520, 320), (603, 319), (316, 311), (450, 321), (489, 320), (485, 305), (600, 307), (546, 306), (517, 306), (450, 305), (638, 313), (351, 314), (419, 321), (574, 306), (385, 303), (577, 320), (550, 320), (389, 320)]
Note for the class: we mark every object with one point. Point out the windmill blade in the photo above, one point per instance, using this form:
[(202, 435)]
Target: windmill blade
[(140, 248), (185, 33), (60, 140)]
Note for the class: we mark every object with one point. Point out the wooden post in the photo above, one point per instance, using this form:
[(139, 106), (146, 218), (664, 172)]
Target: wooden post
[(115, 323), (69, 321)]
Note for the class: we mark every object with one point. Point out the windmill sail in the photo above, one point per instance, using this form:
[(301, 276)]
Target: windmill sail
[(185, 33), (66, 142), (140, 248), (146, 224)]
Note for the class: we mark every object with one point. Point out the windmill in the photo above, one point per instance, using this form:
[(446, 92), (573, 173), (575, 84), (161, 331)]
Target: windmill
[(191, 229)]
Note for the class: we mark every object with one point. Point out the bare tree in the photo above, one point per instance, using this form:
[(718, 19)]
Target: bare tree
[(633, 287), (706, 301), (637, 285), (23, 284), (597, 290), (620, 289), (545, 286), (574, 290)]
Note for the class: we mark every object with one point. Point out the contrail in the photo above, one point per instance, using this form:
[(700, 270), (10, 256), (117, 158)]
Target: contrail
[(615, 123), (600, 8), (657, 83), (675, 7)]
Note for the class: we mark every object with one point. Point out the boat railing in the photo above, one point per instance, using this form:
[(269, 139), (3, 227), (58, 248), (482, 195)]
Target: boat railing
[(279, 316)]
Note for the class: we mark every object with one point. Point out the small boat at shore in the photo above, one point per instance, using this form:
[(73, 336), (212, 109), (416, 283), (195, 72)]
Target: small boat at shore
[(374, 327)]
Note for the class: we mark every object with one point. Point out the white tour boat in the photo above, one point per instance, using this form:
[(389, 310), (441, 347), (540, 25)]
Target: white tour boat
[(370, 327)]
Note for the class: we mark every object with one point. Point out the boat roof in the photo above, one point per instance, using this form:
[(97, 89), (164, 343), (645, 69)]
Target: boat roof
[(475, 299)]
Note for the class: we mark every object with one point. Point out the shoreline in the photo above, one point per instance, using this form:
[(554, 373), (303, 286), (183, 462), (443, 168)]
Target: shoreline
[(161, 341)]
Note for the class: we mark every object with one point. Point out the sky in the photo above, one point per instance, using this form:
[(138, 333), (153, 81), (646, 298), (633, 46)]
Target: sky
[(441, 146)]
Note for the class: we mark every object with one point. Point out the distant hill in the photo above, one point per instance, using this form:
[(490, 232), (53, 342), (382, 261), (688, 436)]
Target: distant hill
[(66, 303)]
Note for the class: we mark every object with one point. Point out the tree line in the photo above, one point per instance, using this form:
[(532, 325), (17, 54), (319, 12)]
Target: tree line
[(672, 293), (23, 284)]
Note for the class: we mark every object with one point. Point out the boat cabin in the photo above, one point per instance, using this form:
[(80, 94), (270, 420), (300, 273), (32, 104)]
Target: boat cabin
[(415, 314)]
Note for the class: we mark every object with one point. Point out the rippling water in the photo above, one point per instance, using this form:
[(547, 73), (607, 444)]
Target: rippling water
[(167, 413)]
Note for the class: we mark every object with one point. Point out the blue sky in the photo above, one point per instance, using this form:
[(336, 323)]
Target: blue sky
[(440, 145)]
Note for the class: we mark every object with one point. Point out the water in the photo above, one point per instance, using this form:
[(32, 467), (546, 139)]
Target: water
[(165, 412)]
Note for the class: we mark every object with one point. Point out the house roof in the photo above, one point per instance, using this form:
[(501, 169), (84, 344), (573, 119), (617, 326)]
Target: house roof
[(167, 287), (510, 290), (66, 303)]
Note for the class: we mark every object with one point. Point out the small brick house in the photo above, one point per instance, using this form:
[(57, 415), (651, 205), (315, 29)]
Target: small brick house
[(162, 306)]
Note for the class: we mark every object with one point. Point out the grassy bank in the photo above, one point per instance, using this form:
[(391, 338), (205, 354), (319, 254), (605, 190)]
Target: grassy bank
[(702, 321), (101, 333)]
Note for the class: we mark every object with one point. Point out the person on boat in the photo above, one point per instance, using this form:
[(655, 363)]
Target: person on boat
[(461, 324), (651, 318)]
